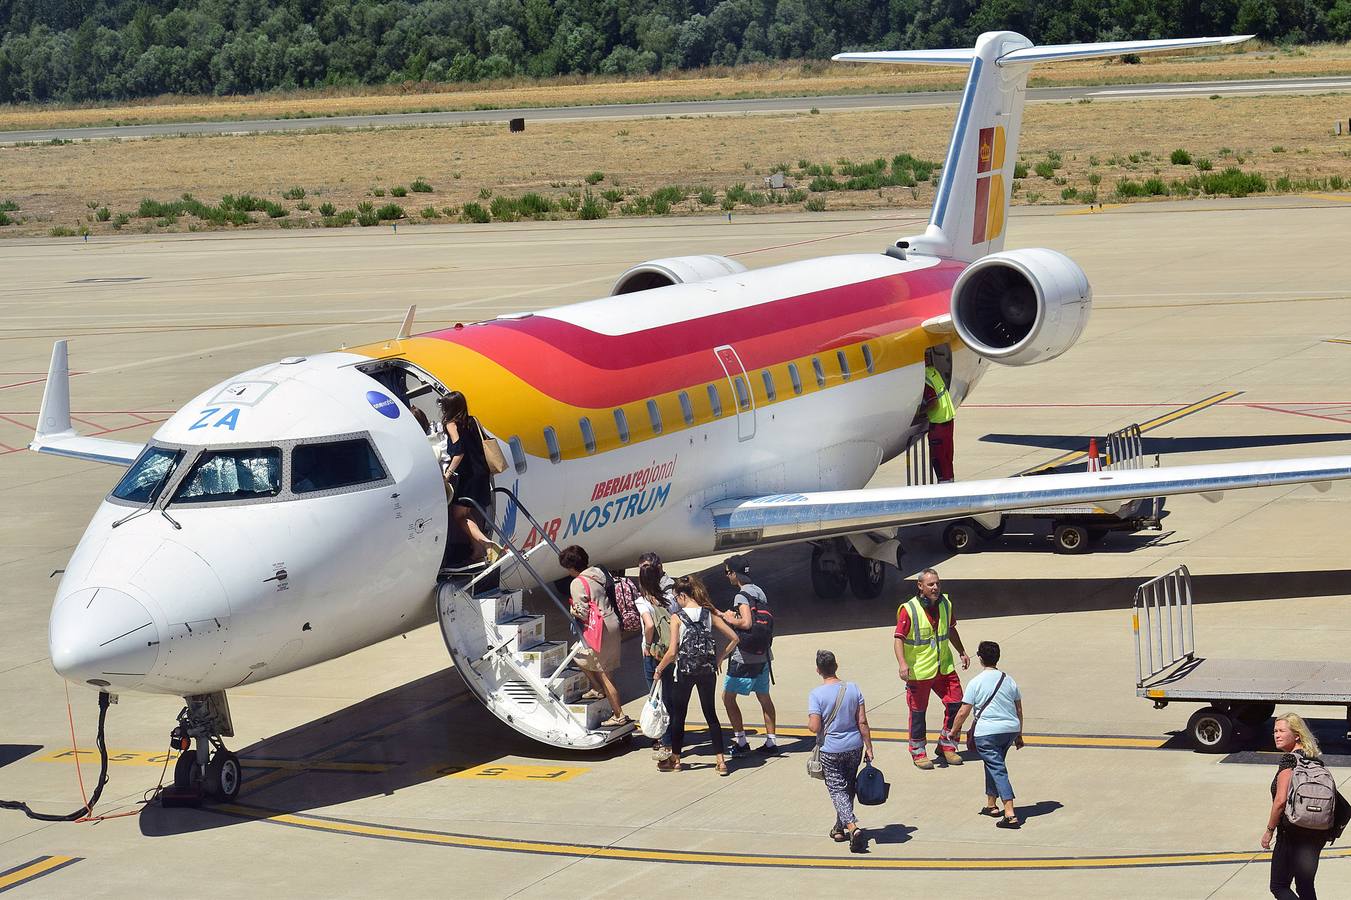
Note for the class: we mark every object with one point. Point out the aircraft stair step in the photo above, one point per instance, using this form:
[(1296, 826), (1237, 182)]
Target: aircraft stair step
[(543, 659)]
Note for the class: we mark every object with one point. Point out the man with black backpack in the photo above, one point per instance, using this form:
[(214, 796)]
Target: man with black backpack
[(748, 671)]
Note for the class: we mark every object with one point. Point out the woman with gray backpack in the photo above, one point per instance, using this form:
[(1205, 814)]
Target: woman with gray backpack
[(1303, 810), (838, 717), (696, 660)]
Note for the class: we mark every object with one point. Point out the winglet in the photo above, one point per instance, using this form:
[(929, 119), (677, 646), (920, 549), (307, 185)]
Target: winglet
[(406, 329), (54, 419)]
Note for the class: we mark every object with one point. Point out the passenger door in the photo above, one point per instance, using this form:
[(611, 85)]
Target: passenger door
[(740, 385)]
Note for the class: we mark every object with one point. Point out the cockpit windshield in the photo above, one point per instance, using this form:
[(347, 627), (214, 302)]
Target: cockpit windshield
[(148, 475), (246, 474)]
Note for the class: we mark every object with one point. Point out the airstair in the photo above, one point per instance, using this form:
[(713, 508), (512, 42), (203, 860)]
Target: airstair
[(504, 656)]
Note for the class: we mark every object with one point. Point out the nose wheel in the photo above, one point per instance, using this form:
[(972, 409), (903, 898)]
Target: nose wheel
[(205, 770)]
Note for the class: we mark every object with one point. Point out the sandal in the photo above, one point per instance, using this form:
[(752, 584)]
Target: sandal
[(838, 835), (991, 811), (616, 722), (722, 769), (1008, 822), (858, 841)]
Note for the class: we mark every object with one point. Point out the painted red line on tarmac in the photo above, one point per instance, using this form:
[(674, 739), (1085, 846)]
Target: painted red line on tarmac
[(22, 383), (125, 427), (1070, 405), (16, 421), (1298, 412), (74, 418), (890, 224)]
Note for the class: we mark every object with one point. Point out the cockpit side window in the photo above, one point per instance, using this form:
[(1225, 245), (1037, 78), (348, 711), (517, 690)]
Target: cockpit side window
[(331, 465), (246, 474), (148, 475)]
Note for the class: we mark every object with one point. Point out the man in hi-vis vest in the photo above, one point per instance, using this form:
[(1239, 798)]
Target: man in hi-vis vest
[(938, 407), (926, 632)]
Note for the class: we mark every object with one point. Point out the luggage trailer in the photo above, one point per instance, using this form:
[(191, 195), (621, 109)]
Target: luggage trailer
[(1240, 695), (1073, 528)]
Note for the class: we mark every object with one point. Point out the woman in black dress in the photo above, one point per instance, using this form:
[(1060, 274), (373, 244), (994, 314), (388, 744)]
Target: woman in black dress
[(467, 472), (1296, 855)]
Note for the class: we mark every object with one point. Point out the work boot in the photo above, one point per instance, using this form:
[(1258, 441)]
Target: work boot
[(923, 762), (951, 757)]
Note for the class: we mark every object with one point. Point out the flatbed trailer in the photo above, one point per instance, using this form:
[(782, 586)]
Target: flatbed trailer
[(1240, 695)]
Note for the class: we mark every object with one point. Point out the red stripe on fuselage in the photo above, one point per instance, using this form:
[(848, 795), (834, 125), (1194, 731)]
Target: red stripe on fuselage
[(586, 368)]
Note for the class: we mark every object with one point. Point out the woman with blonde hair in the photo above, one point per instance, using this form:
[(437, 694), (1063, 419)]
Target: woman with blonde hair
[(1297, 849)]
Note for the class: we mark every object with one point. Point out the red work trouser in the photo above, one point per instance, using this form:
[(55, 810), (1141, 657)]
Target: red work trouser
[(949, 690), (940, 449)]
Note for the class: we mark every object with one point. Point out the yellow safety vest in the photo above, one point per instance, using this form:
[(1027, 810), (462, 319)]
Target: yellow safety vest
[(942, 411), (926, 651)]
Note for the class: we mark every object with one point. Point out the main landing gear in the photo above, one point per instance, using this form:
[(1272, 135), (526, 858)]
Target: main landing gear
[(207, 771), (837, 566)]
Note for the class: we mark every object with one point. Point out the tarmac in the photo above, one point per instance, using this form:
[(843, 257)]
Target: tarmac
[(1223, 327)]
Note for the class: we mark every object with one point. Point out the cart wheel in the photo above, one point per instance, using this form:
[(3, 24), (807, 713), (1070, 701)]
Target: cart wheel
[(959, 537), (1211, 729), (1070, 539), (1254, 713)]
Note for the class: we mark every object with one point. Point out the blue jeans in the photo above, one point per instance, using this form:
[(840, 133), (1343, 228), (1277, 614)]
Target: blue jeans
[(992, 749), (649, 669)]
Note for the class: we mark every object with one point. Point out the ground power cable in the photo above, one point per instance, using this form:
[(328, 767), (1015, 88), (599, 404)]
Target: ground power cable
[(85, 812)]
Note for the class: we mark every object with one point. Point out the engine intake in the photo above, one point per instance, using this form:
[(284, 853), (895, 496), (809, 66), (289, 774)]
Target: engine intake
[(675, 270), (1021, 307)]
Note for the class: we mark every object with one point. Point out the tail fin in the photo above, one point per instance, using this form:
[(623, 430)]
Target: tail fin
[(969, 211)]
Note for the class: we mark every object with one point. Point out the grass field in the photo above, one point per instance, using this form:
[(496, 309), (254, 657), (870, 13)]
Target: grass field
[(1072, 146), (778, 79)]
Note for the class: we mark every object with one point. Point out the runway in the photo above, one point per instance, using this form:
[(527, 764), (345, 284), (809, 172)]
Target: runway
[(1222, 325), (1246, 88)]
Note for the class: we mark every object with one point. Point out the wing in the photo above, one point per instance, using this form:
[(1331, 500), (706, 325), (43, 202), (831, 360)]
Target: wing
[(781, 518), (55, 433)]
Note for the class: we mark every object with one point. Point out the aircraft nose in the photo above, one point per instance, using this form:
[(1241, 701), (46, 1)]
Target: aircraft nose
[(102, 637)]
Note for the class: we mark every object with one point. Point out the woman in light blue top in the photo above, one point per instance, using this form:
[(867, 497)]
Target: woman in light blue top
[(998, 724), (845, 742)]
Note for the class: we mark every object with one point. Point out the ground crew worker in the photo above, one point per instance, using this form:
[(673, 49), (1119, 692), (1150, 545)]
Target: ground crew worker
[(938, 407), (926, 632)]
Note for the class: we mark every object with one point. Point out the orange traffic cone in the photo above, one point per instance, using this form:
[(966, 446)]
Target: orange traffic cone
[(1094, 463)]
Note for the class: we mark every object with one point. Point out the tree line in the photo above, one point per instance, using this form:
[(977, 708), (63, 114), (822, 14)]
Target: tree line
[(76, 50)]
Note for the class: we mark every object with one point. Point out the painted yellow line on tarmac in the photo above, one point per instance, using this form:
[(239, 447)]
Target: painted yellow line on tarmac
[(1093, 741), (1090, 210), (655, 855), (158, 759), (33, 869), (1336, 341), (1076, 455), (507, 772), (1340, 198)]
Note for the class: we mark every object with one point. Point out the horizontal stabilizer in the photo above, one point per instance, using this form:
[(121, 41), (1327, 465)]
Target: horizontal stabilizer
[(55, 433), (911, 57), (1053, 52)]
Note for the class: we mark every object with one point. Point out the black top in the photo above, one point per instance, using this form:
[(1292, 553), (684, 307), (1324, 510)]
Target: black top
[(472, 479)]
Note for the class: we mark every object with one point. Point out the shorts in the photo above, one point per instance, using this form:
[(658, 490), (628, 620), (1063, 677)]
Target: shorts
[(745, 686)]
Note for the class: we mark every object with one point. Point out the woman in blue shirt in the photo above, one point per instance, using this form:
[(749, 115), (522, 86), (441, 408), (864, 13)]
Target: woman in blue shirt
[(998, 725), (845, 742)]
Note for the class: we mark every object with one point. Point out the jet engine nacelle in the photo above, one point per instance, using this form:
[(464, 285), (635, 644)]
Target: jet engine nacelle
[(1020, 307), (675, 270)]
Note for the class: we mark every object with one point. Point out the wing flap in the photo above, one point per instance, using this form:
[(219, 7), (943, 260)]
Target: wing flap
[(796, 517)]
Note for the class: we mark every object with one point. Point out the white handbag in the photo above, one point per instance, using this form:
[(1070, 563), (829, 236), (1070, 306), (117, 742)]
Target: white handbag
[(654, 718)]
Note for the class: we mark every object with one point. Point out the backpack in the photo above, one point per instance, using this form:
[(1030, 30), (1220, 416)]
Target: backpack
[(622, 593), (1313, 795), (758, 638), (661, 630), (697, 654)]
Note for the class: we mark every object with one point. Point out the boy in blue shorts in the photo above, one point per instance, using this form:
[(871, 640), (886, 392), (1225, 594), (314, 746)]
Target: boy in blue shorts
[(748, 667)]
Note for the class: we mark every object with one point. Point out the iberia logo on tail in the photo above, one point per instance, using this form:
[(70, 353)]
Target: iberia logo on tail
[(988, 221)]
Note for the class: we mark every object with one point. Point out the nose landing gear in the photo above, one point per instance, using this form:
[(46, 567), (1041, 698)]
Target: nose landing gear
[(207, 771)]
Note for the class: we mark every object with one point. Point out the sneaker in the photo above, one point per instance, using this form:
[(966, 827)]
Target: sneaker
[(951, 758), (923, 762), (768, 749), (735, 749)]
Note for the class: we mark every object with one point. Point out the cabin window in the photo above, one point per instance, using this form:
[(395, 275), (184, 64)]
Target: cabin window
[(588, 434), (654, 414), (331, 465), (148, 475), (868, 358), (743, 393), (551, 441), (622, 426), (844, 363), (686, 408), (715, 401), (795, 377), (232, 475), (820, 372), (517, 453), (768, 377)]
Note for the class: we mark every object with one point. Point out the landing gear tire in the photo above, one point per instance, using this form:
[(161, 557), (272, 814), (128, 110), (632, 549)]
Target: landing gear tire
[(187, 775), (829, 581), (223, 776), (1211, 730), (959, 537), (1070, 538), (867, 577)]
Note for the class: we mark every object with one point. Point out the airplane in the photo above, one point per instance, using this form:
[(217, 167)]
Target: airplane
[(294, 513)]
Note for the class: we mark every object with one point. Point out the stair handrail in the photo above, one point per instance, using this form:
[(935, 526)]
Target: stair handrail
[(524, 560)]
